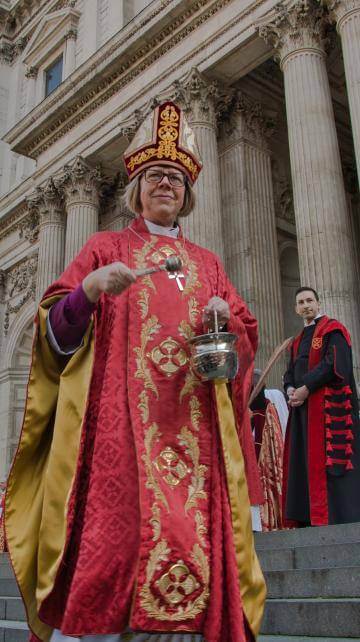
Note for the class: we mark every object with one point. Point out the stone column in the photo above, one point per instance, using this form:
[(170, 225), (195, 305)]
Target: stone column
[(251, 251), (80, 183), (346, 14), (197, 97), (48, 205), (70, 52), (322, 220), (114, 215)]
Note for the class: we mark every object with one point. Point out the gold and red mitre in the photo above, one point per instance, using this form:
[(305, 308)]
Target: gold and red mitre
[(165, 137)]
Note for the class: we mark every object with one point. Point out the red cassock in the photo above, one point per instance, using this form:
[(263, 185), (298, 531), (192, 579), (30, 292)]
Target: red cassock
[(149, 535)]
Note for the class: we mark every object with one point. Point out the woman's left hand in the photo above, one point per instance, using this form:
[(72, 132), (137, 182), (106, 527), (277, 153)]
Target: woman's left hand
[(223, 312)]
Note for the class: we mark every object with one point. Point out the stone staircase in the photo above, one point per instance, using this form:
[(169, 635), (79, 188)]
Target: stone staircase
[(313, 578)]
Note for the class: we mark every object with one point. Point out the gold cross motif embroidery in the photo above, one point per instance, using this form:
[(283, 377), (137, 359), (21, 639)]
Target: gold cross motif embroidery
[(169, 462), (177, 583)]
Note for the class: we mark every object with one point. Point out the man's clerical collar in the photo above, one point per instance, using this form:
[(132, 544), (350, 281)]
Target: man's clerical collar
[(313, 322), (154, 228)]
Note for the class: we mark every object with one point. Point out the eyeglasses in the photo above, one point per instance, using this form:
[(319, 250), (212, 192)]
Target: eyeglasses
[(156, 175)]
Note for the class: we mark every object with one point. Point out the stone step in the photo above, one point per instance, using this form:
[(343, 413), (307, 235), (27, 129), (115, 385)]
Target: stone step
[(325, 556), (312, 618), (300, 638), (9, 587), (12, 608), (13, 631), (324, 583), (315, 536), (297, 638)]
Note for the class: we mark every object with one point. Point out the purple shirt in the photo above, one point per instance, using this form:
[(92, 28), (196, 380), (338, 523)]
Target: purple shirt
[(68, 320)]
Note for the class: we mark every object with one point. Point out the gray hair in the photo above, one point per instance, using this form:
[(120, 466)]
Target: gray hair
[(131, 197)]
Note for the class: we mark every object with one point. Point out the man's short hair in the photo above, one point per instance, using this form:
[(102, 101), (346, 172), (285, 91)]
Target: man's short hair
[(305, 288)]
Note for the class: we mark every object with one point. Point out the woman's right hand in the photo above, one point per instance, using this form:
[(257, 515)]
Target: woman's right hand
[(111, 279)]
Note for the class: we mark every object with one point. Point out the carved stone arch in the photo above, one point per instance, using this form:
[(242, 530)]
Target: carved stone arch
[(13, 385), (290, 281)]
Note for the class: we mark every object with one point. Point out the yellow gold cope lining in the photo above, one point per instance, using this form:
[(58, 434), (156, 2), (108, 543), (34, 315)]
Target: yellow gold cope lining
[(40, 481), (252, 583)]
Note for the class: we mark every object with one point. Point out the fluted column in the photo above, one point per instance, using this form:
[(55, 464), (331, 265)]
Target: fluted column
[(197, 97), (114, 215), (322, 220), (80, 183), (251, 251), (47, 202), (346, 14), (70, 52)]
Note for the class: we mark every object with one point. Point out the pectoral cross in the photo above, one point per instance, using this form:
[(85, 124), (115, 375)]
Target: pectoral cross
[(177, 276)]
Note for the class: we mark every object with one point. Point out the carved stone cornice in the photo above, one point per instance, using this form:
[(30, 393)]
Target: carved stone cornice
[(116, 64), (46, 204), (244, 119), (80, 182), (341, 11), (197, 96), (297, 27)]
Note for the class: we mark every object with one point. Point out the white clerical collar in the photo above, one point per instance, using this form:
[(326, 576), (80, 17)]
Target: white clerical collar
[(313, 321), (159, 229)]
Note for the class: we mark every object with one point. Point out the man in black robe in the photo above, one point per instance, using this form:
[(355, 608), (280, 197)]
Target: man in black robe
[(322, 448)]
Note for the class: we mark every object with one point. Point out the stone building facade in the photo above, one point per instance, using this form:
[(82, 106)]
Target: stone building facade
[(272, 90)]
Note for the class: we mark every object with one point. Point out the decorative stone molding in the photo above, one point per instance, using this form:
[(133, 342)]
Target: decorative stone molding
[(299, 26), (20, 287), (25, 138), (29, 229), (52, 32), (31, 72), (10, 50), (80, 182), (197, 96)]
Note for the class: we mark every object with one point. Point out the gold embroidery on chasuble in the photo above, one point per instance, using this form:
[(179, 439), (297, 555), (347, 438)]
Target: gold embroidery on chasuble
[(171, 467), (176, 586), (177, 594), (169, 356)]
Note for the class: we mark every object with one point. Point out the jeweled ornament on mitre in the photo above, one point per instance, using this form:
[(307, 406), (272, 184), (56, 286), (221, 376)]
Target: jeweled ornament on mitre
[(164, 137)]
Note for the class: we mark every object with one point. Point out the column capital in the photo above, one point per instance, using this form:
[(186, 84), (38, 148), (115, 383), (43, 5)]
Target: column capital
[(342, 10), (71, 34), (31, 72), (80, 182), (7, 51), (294, 28), (46, 203), (244, 119), (197, 96)]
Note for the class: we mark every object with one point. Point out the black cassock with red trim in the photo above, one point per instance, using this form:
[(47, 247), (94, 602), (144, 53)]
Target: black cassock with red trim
[(322, 445)]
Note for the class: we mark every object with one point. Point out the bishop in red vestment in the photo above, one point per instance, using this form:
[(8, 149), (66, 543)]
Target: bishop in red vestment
[(136, 475)]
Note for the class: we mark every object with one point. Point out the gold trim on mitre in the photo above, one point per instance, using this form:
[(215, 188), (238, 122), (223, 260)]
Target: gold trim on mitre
[(165, 136)]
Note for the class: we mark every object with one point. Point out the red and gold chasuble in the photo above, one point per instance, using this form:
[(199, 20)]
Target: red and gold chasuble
[(171, 416), (127, 439)]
